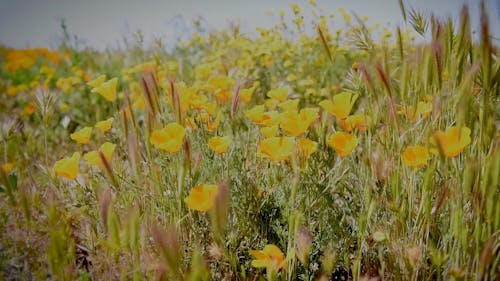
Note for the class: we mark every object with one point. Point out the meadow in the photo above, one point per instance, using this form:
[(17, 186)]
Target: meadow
[(360, 153)]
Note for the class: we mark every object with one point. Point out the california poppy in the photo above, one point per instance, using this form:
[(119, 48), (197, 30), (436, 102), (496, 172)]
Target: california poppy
[(278, 94), (68, 166), (93, 158), (269, 132), (296, 123), (343, 143), (271, 257), (306, 147), (416, 156), (107, 89), (218, 144), (105, 125), (452, 141), (341, 104), (169, 138), (276, 148), (82, 136), (202, 197)]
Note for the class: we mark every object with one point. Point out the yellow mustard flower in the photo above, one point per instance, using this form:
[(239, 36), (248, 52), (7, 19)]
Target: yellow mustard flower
[(271, 257), (218, 144), (295, 123), (105, 125), (276, 148), (416, 156), (169, 138), (452, 141), (202, 197), (107, 89), (295, 8), (93, 158), (343, 143), (341, 104), (68, 166), (82, 136)]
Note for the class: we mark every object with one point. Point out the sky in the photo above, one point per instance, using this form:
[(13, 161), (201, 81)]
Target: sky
[(104, 24)]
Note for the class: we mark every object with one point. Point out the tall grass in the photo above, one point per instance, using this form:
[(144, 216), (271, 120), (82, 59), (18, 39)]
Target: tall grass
[(367, 215)]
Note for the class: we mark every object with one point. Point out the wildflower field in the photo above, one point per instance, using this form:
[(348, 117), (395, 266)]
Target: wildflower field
[(359, 153)]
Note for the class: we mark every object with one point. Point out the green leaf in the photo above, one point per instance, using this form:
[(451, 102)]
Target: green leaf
[(2, 190), (13, 181)]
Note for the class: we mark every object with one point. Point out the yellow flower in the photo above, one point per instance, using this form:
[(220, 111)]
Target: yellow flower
[(186, 95), (64, 107), (295, 8), (342, 142), (296, 123), (202, 197), (219, 87), (82, 136), (219, 144), (246, 94), (97, 82), (30, 108), (212, 126), (358, 121), (289, 105), (202, 71), (11, 91), (269, 132), (306, 147), (270, 118), (255, 114), (341, 104), (276, 148), (271, 103), (105, 125), (270, 257), (169, 138), (7, 167), (259, 117), (93, 158), (68, 166), (190, 123), (107, 89), (278, 94), (416, 156), (452, 141), (424, 109)]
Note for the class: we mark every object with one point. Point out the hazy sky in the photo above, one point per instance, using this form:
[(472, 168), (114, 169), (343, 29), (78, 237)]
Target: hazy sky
[(104, 23)]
